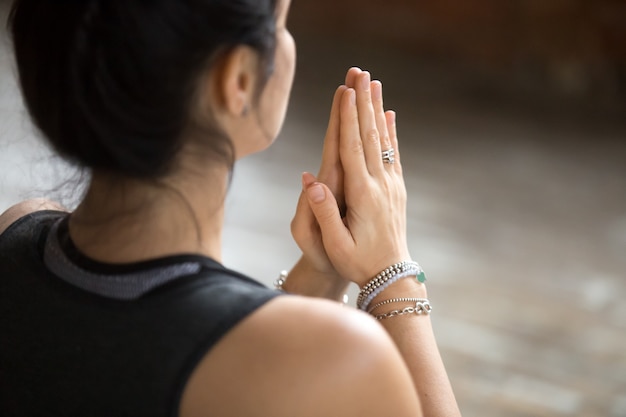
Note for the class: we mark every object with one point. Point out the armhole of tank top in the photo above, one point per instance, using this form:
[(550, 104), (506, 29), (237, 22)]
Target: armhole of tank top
[(28, 216)]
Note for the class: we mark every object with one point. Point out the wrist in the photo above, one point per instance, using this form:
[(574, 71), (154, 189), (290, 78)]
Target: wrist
[(305, 279)]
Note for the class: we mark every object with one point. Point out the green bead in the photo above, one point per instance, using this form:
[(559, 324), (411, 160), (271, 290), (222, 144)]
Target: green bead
[(421, 277)]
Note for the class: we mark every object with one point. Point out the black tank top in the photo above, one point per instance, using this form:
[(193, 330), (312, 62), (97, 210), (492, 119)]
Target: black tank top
[(82, 338)]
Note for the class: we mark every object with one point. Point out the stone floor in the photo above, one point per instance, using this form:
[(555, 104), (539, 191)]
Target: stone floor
[(516, 211)]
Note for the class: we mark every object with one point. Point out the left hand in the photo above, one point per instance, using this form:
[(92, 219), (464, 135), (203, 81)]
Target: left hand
[(315, 264)]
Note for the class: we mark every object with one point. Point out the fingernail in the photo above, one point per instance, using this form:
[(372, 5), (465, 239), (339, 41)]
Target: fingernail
[(377, 90), (316, 193), (352, 96), (365, 80)]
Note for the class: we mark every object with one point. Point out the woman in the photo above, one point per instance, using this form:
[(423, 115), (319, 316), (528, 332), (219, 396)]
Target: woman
[(122, 307)]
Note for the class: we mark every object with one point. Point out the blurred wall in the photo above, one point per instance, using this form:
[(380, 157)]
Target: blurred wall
[(572, 48)]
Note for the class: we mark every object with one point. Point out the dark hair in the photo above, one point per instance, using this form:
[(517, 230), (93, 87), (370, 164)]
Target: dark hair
[(112, 83)]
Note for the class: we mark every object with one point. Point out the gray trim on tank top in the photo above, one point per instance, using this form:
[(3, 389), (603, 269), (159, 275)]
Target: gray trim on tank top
[(121, 287)]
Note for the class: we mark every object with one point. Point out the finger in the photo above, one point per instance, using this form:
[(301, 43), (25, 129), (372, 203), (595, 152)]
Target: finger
[(379, 112), (367, 124), (324, 206), (352, 75), (331, 172), (350, 144), (304, 224), (390, 117)]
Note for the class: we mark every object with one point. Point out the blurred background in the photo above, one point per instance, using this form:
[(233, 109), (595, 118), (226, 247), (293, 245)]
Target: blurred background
[(512, 122)]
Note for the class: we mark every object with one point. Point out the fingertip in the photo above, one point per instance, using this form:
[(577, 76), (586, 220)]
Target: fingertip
[(307, 179), (377, 90), (365, 79), (340, 90), (352, 73)]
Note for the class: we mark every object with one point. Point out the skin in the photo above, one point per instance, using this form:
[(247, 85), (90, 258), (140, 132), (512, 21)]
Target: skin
[(303, 354)]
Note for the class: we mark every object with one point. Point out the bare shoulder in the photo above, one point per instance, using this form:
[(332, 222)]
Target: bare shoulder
[(23, 208), (306, 357)]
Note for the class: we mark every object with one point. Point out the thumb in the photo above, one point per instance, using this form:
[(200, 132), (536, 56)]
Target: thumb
[(326, 212), (304, 226)]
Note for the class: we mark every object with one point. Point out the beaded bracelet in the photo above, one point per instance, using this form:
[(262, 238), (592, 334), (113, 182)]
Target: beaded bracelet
[(280, 281), (382, 277), (366, 302), (387, 277), (421, 307)]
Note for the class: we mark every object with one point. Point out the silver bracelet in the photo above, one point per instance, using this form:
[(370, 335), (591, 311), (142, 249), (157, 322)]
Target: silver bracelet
[(396, 300), (382, 277), (421, 307)]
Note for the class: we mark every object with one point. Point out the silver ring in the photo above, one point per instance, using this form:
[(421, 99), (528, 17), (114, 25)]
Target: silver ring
[(388, 156)]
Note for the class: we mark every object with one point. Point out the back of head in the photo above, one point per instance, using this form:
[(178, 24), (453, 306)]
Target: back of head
[(112, 83)]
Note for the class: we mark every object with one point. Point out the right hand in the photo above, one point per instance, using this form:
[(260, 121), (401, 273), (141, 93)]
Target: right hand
[(372, 235)]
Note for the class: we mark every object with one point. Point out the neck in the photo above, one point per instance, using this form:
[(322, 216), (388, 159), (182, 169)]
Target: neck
[(123, 221)]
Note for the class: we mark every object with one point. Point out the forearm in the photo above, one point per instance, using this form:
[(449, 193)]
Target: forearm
[(414, 337), (305, 280)]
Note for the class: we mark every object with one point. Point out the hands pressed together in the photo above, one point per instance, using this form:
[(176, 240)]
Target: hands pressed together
[(350, 222)]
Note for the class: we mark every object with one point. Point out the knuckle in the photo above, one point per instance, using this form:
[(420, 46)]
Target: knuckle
[(294, 226), (372, 136), (353, 117), (326, 214), (340, 249), (367, 96), (356, 147), (298, 232)]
